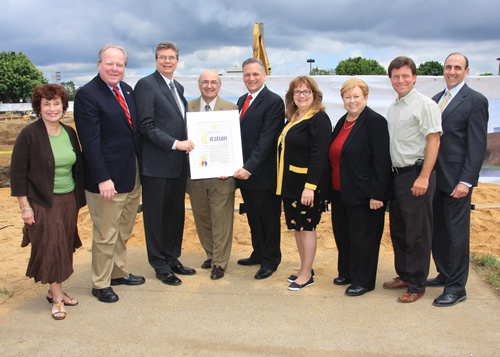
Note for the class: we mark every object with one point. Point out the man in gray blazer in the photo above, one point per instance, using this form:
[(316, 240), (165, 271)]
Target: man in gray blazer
[(212, 200), (463, 145), (161, 109)]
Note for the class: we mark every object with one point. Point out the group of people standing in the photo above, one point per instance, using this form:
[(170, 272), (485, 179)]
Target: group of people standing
[(292, 159)]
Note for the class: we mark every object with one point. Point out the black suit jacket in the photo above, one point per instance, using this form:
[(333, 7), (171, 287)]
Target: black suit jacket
[(463, 143), (160, 124), (108, 142), (259, 129), (365, 161)]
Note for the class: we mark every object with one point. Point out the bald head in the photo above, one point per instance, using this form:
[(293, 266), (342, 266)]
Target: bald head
[(209, 84)]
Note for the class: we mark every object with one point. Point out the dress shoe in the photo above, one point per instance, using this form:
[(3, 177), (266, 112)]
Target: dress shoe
[(105, 295), (217, 272), (247, 262), (395, 283), (355, 290), (436, 282), (292, 278), (447, 299), (207, 264), (340, 280), (130, 279), (294, 286), (263, 273), (182, 270), (411, 297), (169, 278)]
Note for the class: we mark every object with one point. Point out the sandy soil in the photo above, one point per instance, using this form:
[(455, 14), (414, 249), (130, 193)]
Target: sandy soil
[(485, 232)]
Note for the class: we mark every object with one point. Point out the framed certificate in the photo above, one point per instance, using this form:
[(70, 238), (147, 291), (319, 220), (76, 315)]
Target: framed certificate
[(217, 143)]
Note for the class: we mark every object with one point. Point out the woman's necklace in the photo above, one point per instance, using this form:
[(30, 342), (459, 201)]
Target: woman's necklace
[(350, 126)]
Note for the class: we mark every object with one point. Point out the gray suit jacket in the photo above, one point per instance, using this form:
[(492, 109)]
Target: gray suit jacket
[(463, 144), (160, 124)]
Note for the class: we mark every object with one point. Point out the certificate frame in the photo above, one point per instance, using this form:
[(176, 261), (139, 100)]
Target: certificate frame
[(217, 143)]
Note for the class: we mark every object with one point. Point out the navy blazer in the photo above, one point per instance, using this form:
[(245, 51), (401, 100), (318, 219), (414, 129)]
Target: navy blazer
[(160, 124), (108, 142), (365, 161), (260, 126), (463, 143)]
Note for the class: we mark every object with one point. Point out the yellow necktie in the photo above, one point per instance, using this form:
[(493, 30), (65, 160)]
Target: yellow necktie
[(445, 99)]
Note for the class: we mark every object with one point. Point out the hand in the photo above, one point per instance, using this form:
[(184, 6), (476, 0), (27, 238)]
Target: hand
[(376, 204), (107, 190), (28, 216), (420, 186), (186, 145), (223, 177), (241, 174), (460, 191), (307, 198)]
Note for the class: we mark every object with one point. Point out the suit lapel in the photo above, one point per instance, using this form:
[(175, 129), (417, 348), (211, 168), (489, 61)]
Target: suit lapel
[(455, 102), (360, 122), (194, 105), (106, 92), (255, 103), (167, 92)]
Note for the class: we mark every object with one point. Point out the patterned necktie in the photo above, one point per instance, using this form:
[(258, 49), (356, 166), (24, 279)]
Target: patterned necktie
[(444, 101), (172, 89), (245, 106), (121, 100), (207, 108)]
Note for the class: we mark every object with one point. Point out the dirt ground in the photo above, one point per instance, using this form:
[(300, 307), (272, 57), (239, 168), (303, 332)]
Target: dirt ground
[(485, 232)]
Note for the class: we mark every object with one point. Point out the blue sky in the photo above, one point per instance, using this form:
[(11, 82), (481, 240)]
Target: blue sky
[(65, 36)]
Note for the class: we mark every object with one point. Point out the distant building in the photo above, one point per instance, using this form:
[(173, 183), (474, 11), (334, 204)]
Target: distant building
[(234, 70)]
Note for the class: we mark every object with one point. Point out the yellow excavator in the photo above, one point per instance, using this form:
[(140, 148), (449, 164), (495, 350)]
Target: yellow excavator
[(259, 50)]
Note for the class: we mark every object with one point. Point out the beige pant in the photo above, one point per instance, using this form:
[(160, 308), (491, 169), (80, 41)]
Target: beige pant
[(113, 224)]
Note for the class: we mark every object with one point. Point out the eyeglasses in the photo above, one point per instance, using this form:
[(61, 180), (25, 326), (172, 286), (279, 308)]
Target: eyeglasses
[(164, 58), (206, 82), (305, 93)]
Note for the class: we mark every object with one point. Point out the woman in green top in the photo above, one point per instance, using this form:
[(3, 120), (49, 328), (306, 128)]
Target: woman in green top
[(47, 179)]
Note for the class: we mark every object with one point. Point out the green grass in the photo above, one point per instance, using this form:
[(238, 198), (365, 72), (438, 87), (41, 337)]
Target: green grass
[(488, 267), (9, 294)]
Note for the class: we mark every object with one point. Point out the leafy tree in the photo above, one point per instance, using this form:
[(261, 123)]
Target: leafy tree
[(430, 68), (486, 74), (322, 72), (18, 77), (70, 88), (358, 66)]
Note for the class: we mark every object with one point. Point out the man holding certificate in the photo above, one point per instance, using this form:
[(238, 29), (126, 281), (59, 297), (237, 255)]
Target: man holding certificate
[(262, 116), (212, 199)]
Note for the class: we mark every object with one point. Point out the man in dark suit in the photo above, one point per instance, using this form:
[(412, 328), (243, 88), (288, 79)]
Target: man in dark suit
[(212, 199), (106, 121), (463, 145), (161, 109), (262, 117)]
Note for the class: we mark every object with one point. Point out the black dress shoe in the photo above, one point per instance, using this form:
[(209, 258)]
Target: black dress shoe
[(182, 270), (447, 299), (207, 264), (355, 290), (217, 272), (294, 286), (340, 280), (169, 278), (247, 262), (263, 273), (105, 295), (292, 278), (436, 282), (130, 279)]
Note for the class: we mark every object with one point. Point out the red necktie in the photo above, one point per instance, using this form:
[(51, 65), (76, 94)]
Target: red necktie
[(121, 100), (245, 106)]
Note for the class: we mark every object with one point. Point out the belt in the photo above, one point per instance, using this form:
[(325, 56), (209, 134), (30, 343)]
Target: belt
[(402, 170)]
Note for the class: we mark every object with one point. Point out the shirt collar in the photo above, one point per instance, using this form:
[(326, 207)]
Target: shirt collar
[(454, 90), (211, 104)]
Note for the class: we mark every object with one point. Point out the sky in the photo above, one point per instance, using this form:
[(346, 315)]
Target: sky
[(66, 36)]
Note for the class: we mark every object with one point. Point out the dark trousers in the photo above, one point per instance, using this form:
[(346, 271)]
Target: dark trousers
[(411, 225), (263, 210), (451, 240), (163, 209), (358, 231)]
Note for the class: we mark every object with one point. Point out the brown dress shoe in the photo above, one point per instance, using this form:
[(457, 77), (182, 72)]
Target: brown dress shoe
[(411, 297), (207, 264), (395, 283), (217, 272)]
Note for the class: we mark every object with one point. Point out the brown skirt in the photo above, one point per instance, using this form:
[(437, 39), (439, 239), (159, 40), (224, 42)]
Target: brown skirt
[(54, 238)]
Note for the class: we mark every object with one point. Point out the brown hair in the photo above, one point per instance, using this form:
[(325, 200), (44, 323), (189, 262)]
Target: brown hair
[(49, 92), (316, 106), (402, 61), (352, 83)]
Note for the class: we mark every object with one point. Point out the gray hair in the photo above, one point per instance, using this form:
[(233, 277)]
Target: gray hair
[(107, 47), (254, 60), (165, 45)]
